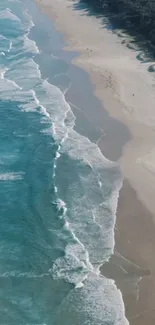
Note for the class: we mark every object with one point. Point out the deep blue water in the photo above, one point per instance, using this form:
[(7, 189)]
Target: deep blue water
[(58, 194)]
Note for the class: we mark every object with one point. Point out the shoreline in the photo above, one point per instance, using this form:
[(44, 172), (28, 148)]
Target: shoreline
[(107, 90), (132, 264), (115, 72)]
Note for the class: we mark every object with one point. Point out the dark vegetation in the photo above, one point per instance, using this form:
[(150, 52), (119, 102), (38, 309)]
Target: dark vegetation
[(137, 17)]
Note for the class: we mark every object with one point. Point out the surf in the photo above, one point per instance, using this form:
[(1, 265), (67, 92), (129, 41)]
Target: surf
[(68, 194)]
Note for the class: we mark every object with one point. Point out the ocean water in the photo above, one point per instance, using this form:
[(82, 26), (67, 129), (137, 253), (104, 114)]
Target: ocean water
[(58, 193)]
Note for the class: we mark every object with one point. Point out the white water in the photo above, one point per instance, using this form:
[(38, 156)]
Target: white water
[(90, 206)]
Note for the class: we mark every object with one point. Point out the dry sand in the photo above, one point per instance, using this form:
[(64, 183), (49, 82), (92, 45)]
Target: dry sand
[(126, 89), (117, 75)]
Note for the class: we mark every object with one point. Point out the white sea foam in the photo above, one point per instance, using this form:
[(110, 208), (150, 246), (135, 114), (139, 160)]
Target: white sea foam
[(28, 275), (61, 205), (89, 204), (4, 44), (91, 230), (29, 45), (103, 301), (79, 285), (2, 37), (10, 47), (11, 176), (78, 147), (44, 111), (52, 103), (35, 97), (69, 268), (7, 14), (97, 302), (28, 19), (57, 155), (2, 73), (2, 76), (26, 73), (14, 1)]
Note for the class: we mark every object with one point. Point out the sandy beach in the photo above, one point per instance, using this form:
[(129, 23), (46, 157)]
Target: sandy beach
[(126, 90)]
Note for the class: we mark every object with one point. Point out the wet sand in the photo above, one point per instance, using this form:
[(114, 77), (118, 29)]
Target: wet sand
[(122, 83), (125, 132), (133, 264)]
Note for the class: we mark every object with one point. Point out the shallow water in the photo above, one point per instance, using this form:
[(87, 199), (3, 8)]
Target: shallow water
[(58, 193)]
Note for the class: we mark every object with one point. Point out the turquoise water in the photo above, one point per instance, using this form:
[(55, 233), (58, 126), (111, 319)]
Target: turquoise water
[(58, 194)]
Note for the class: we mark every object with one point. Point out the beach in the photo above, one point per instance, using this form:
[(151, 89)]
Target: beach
[(126, 89)]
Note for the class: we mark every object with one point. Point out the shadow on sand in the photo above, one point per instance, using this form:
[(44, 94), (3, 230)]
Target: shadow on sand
[(125, 26)]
